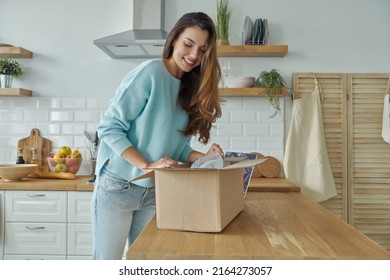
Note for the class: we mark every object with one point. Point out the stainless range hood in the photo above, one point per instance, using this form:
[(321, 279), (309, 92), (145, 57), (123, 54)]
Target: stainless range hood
[(145, 40)]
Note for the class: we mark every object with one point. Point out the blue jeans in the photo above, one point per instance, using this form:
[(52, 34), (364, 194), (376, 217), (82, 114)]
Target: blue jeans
[(120, 211)]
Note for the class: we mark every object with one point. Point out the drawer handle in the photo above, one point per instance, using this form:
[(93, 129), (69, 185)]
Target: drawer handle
[(34, 228), (35, 195)]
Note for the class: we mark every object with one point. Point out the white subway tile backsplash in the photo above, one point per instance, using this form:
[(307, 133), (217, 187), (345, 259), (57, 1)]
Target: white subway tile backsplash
[(257, 103), (49, 128), (72, 128), (49, 103), (258, 129), (23, 128), (244, 126), (87, 116), (6, 102), (5, 128), (61, 116), (36, 115), (229, 129), (270, 143), (277, 129), (98, 103), (8, 155), (61, 140), (25, 103), (11, 115), (243, 116), (232, 102), (74, 103), (243, 144)]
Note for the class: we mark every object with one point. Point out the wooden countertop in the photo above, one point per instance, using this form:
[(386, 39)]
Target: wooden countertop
[(79, 184), (273, 225), (257, 184), (272, 185)]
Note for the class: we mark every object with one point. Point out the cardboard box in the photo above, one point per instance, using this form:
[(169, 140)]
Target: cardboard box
[(201, 200)]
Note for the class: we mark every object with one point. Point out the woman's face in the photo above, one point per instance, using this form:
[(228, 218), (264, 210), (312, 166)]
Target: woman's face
[(188, 50)]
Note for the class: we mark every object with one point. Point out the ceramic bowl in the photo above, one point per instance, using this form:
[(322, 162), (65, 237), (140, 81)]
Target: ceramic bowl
[(15, 172), (71, 165), (245, 82)]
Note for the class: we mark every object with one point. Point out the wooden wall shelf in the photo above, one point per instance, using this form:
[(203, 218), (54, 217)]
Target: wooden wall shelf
[(252, 50), (15, 52), (15, 92), (248, 92)]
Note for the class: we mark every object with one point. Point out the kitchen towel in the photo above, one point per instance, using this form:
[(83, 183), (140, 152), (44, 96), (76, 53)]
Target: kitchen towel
[(306, 162)]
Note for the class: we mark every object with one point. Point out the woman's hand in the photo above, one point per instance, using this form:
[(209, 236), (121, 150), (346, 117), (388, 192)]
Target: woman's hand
[(215, 148), (164, 162)]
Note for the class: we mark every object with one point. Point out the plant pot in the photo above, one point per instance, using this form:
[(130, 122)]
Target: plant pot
[(222, 42), (5, 81)]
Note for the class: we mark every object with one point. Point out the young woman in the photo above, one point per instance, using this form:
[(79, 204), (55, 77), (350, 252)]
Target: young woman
[(157, 108)]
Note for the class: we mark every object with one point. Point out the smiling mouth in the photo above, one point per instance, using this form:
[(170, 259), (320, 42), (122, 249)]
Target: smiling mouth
[(192, 63)]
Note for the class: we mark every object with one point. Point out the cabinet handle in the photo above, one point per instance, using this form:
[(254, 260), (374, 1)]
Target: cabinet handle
[(34, 228), (35, 195)]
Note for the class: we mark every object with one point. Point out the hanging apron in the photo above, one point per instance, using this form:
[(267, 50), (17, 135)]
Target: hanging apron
[(306, 162), (386, 115)]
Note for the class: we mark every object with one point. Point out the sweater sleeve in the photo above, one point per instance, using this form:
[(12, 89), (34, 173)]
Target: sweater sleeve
[(186, 150), (129, 101)]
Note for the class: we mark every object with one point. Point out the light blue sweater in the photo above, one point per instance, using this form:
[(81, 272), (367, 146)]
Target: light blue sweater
[(144, 114)]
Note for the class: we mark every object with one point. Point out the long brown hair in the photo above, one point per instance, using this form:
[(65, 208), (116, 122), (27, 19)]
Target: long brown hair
[(198, 93)]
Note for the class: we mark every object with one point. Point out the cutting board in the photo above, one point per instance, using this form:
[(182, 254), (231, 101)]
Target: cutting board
[(35, 141)]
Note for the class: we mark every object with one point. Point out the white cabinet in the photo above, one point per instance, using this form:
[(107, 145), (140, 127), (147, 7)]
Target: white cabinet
[(35, 238), (45, 225), (79, 225), (1, 223), (35, 224), (37, 206)]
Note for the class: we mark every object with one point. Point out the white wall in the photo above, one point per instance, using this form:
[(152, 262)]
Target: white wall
[(323, 36)]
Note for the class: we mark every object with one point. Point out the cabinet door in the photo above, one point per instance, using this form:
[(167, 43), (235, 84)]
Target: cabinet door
[(79, 239), (1, 223), (369, 166), (35, 238), (35, 206), (334, 114), (79, 206), (34, 257), (359, 156)]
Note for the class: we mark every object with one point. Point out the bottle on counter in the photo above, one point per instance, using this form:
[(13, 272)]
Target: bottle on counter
[(34, 156), (20, 159)]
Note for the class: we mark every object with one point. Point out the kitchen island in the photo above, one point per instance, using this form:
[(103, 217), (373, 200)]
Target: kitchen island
[(273, 225)]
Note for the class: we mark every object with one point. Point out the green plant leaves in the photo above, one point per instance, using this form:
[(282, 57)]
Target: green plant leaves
[(273, 82)]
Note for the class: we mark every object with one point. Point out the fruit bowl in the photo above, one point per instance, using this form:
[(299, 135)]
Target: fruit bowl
[(15, 172), (68, 164)]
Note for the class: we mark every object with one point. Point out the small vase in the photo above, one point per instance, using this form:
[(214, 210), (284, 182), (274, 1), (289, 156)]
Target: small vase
[(222, 42), (5, 81)]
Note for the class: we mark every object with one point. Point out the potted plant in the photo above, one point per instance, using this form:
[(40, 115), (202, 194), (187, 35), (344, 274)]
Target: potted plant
[(9, 68), (222, 23), (273, 82)]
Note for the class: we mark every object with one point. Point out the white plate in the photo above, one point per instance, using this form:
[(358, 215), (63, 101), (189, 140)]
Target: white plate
[(247, 30), (255, 31), (266, 32)]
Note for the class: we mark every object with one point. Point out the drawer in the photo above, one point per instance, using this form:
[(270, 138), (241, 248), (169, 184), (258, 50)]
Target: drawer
[(79, 207), (35, 238), (79, 239), (35, 206), (34, 257)]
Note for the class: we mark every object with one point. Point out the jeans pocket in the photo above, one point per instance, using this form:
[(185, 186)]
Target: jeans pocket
[(110, 183)]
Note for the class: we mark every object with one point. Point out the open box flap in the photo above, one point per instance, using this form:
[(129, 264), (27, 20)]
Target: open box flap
[(246, 163), (240, 164), (149, 174)]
